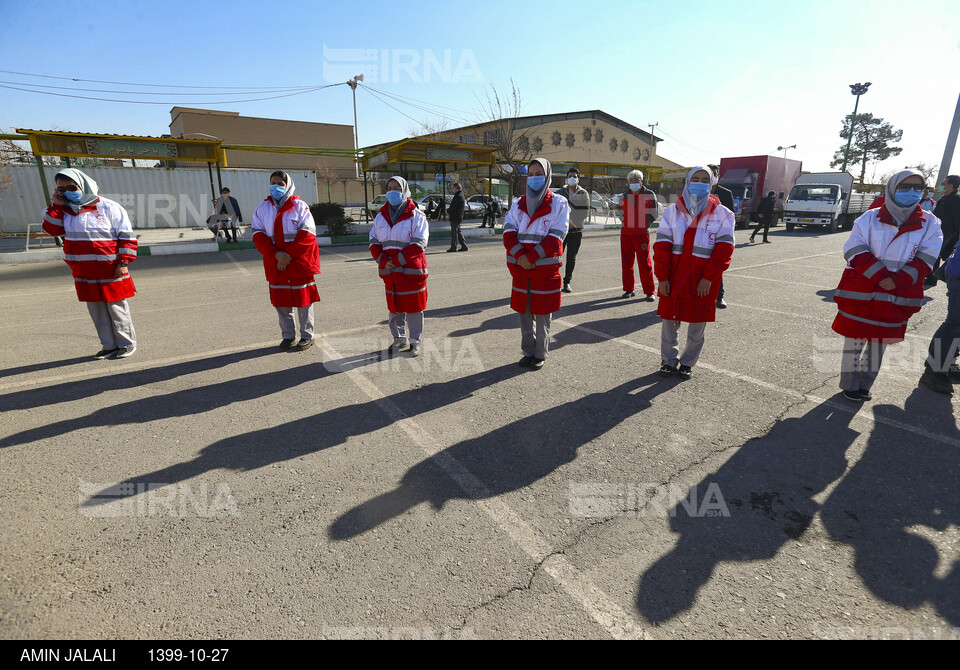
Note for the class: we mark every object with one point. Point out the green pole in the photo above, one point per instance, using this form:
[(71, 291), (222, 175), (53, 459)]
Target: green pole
[(212, 190), (219, 180), (43, 179), (366, 199)]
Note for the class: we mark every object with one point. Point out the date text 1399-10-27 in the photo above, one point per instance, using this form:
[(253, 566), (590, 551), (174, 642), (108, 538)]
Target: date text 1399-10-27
[(198, 655)]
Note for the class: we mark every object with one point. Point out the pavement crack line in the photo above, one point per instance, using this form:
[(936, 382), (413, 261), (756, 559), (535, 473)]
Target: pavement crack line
[(614, 620)]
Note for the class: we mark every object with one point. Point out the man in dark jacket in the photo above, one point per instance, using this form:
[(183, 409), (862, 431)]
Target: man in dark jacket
[(944, 345), (765, 216), (948, 211), (456, 218), (579, 201), (726, 199), (228, 215)]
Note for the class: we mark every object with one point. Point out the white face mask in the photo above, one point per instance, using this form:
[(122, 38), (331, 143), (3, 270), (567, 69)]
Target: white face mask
[(572, 181)]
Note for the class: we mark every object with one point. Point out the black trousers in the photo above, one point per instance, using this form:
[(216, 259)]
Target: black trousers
[(455, 235), (765, 224), (572, 245)]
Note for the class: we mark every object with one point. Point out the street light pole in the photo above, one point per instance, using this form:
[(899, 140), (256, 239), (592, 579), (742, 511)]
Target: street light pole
[(857, 90), (951, 146), (784, 149), (653, 144), (356, 144)]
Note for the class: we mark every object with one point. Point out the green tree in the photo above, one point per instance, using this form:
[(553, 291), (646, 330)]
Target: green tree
[(872, 138)]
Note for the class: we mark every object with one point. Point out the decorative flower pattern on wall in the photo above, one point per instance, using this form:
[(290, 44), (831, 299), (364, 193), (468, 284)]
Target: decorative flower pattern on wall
[(523, 144), (613, 145), (555, 139), (570, 139), (624, 146), (537, 145), (636, 154), (587, 134), (598, 136)]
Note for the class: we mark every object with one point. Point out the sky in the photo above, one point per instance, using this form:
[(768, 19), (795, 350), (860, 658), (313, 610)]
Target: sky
[(720, 78)]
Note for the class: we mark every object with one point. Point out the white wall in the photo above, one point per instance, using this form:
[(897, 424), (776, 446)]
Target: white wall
[(153, 197)]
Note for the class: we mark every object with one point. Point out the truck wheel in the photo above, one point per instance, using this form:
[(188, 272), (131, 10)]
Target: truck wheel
[(790, 226), (833, 225)]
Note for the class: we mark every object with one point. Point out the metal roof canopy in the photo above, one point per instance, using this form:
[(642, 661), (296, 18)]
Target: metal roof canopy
[(94, 145), (424, 156)]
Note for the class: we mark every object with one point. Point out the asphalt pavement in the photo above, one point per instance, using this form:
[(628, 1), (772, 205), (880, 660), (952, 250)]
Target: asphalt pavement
[(213, 487)]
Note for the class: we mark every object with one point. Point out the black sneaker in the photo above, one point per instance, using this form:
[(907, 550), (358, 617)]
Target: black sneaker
[(629, 294), (566, 287), (451, 249), (414, 349), (954, 372), (648, 297), (866, 395), (286, 344), (536, 363), (463, 248), (721, 303), (525, 362), (685, 372), (105, 354), (304, 344), (125, 352), (667, 370), (853, 395)]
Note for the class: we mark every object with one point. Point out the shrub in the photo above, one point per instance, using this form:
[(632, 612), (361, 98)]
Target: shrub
[(331, 215)]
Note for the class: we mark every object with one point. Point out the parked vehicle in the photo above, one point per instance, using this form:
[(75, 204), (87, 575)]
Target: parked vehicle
[(825, 199), (750, 178), (470, 209), (598, 204)]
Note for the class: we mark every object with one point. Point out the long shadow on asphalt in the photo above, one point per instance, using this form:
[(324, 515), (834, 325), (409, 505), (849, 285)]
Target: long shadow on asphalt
[(308, 435), (506, 459), (86, 388), (903, 491), (37, 367), (768, 487)]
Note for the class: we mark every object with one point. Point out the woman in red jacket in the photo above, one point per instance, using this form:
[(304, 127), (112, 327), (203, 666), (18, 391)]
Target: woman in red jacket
[(533, 234), (284, 232)]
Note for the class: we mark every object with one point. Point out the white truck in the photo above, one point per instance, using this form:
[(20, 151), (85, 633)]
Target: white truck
[(825, 199)]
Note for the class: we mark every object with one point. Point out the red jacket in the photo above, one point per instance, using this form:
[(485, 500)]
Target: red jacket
[(539, 239), (639, 210), (96, 240), (402, 242), (290, 229)]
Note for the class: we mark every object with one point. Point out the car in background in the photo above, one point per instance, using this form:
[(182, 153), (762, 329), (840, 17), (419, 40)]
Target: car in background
[(471, 209), (598, 204)]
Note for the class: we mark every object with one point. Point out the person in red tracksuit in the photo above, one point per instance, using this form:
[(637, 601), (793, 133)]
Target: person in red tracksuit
[(285, 233), (638, 211), (533, 234)]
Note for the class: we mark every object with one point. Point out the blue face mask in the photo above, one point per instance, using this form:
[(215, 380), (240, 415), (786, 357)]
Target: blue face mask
[(73, 197), (635, 187), (536, 183), (698, 189), (908, 198), (277, 191), (394, 198)]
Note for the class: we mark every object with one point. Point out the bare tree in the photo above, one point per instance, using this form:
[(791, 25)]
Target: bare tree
[(327, 174), (430, 130), (928, 171), (513, 148)]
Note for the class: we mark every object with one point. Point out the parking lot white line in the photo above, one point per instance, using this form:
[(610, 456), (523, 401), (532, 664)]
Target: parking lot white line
[(863, 412), (237, 264), (785, 260), (607, 613), (108, 370), (784, 281)]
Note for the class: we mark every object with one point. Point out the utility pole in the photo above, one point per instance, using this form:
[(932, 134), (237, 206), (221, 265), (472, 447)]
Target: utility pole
[(653, 144), (951, 146), (356, 144), (857, 90), (784, 149)]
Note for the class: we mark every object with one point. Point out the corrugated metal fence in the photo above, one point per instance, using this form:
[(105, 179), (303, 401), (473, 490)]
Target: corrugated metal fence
[(153, 197)]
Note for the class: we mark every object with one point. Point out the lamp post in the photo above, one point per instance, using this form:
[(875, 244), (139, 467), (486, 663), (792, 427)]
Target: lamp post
[(784, 149), (857, 90), (356, 144)]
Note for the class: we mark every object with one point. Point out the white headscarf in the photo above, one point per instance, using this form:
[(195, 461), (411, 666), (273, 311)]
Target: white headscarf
[(696, 205), (395, 212), (288, 180), (900, 214), (535, 198), (87, 186)]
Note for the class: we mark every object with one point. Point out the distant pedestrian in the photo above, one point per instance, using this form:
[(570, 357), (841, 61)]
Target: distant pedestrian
[(693, 249), (533, 234), (431, 208), (228, 214), (927, 202), (725, 196), (579, 201), (489, 212), (638, 211), (890, 251), (285, 234), (457, 205), (398, 242), (98, 245), (764, 216)]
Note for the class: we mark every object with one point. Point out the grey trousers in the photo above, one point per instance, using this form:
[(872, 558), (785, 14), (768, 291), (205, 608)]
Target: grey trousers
[(114, 324), (535, 334), (401, 321), (860, 364), (669, 339), (287, 326)]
